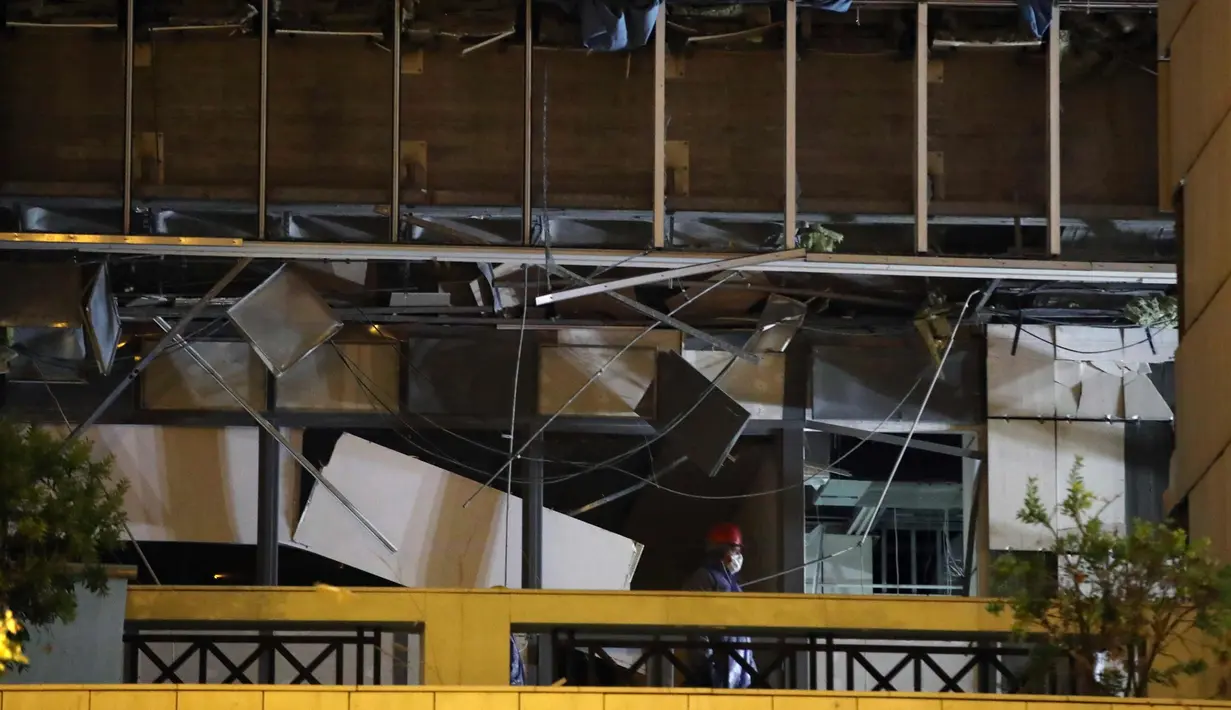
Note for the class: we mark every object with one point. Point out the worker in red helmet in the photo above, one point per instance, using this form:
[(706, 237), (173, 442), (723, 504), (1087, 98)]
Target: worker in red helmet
[(721, 664)]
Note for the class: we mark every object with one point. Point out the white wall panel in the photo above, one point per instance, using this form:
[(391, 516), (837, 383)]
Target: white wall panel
[(1101, 448), (1017, 451), (1020, 383)]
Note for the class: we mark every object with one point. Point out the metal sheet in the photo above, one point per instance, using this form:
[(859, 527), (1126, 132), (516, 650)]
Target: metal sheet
[(863, 381), (102, 320), (284, 319)]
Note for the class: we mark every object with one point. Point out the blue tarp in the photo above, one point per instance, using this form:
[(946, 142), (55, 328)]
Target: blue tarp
[(617, 25), (1037, 14)]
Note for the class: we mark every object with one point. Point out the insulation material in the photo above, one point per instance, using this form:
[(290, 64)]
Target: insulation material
[(440, 543), (1101, 448), (1021, 383), (564, 370), (1017, 451), (194, 484), (758, 387), (351, 377)]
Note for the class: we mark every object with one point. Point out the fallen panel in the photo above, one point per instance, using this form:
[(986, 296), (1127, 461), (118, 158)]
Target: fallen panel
[(440, 543), (693, 418), (284, 319)]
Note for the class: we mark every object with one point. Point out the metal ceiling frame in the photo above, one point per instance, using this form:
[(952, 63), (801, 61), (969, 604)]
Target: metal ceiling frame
[(847, 264)]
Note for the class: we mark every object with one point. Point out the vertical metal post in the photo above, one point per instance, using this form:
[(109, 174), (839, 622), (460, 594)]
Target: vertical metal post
[(921, 129), (527, 175), (792, 501), (660, 128), (395, 173), (262, 187), (791, 57), (1053, 132), (130, 41), (532, 555), (269, 464)]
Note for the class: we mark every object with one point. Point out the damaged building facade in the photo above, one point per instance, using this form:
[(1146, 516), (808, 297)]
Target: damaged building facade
[(458, 295)]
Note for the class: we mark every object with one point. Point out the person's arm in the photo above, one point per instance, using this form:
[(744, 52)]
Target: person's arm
[(701, 581)]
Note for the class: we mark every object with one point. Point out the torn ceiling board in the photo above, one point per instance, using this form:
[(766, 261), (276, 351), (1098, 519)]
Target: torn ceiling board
[(1067, 387), (1137, 347), (440, 543), (1033, 341), (194, 484), (1017, 451), (1142, 399), (1079, 342), (564, 370), (1102, 391), (1101, 448), (757, 387)]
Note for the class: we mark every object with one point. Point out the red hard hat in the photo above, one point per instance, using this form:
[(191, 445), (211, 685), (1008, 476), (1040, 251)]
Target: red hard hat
[(725, 534)]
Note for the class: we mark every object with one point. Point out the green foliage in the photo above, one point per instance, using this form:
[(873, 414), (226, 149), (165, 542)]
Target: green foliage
[(815, 238), (1131, 595), (60, 512), (1154, 311)]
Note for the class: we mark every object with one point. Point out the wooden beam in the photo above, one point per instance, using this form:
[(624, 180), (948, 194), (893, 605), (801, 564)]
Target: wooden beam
[(921, 129), (395, 136), (527, 207), (129, 56), (660, 128), (1053, 133), (790, 218)]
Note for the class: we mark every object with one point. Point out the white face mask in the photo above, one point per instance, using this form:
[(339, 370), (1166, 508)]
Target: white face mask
[(736, 563)]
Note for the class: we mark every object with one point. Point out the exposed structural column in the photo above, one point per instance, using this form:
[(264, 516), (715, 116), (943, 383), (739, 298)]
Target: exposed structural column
[(792, 500), (527, 168), (269, 453)]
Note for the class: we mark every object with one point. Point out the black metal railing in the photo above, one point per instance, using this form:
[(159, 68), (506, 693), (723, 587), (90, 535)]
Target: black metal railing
[(816, 662), (346, 655)]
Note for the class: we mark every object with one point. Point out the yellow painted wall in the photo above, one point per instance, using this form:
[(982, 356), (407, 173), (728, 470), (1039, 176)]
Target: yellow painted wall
[(186, 697)]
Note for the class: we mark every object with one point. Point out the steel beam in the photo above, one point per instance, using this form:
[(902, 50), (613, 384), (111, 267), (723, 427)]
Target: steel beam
[(273, 431), (1053, 133), (896, 440), (683, 272), (790, 226), (922, 196), (848, 264), (664, 318), (175, 334)]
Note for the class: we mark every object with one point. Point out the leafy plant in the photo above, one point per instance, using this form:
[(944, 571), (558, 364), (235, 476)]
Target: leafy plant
[(60, 512), (1124, 598), (10, 646)]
